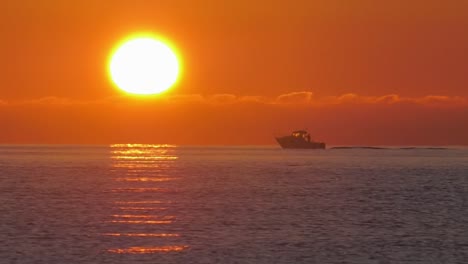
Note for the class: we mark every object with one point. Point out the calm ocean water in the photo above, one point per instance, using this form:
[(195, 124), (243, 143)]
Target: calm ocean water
[(168, 204)]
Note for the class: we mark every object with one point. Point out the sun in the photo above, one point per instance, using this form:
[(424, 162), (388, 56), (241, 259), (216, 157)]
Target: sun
[(144, 65)]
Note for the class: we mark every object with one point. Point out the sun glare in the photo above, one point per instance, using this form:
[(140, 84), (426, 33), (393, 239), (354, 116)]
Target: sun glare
[(144, 65)]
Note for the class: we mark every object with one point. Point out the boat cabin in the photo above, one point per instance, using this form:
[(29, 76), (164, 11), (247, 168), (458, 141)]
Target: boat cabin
[(302, 134)]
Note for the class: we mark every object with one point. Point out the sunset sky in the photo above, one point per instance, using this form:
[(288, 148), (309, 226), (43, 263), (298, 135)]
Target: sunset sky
[(352, 72)]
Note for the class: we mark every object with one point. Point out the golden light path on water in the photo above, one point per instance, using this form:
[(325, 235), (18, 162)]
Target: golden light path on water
[(156, 222), (144, 179), (142, 235), (144, 208), (140, 171), (147, 250)]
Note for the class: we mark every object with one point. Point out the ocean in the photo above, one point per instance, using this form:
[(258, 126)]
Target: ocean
[(143, 203)]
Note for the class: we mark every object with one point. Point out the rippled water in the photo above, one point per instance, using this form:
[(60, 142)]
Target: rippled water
[(167, 204)]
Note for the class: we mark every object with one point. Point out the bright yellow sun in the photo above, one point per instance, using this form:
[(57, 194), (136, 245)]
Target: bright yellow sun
[(144, 65)]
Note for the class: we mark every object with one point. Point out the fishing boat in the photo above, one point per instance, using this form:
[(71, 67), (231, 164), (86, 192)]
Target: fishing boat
[(299, 139)]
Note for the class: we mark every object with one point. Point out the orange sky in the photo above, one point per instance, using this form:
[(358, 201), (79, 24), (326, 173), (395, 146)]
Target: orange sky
[(353, 72)]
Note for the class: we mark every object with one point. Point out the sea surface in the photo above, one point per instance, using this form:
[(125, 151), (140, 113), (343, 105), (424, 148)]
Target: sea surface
[(142, 203)]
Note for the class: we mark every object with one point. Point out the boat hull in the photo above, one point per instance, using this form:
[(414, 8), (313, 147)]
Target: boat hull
[(290, 142)]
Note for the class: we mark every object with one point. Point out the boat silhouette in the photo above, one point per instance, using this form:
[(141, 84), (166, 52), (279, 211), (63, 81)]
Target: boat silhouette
[(299, 139)]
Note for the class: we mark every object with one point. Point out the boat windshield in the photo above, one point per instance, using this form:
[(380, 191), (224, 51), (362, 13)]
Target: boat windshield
[(299, 133)]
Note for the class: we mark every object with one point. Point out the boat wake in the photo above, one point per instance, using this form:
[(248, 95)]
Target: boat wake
[(402, 148)]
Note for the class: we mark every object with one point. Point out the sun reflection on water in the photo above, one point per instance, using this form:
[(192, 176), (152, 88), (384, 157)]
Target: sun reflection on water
[(132, 216), (141, 202), (144, 208), (147, 250), (141, 197), (153, 222), (140, 235), (139, 190), (145, 179)]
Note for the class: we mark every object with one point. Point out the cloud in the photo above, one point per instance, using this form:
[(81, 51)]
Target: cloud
[(352, 98), (187, 98), (303, 98), (295, 98), (51, 100), (223, 99), (390, 99), (442, 100), (253, 99)]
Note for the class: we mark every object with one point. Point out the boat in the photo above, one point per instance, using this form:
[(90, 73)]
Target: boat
[(299, 139)]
